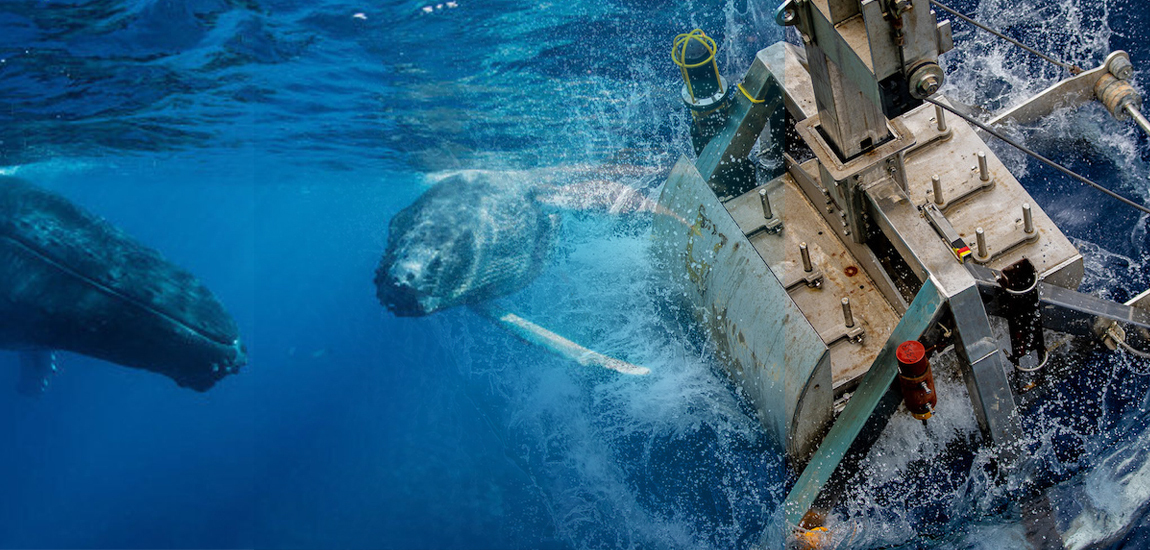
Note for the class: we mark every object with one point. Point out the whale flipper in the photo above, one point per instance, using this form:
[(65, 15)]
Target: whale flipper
[(36, 371), (535, 334)]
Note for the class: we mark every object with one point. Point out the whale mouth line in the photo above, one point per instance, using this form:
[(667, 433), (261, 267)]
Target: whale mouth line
[(232, 344), (401, 300)]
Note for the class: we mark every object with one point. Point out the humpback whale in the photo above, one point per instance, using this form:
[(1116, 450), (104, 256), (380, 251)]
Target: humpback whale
[(477, 235), (480, 234), (473, 236), (71, 281)]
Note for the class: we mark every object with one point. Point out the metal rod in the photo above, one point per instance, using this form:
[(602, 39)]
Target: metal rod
[(806, 254), (767, 213), (1138, 118), (937, 185), (1027, 219), (980, 238), (940, 116), (1041, 158), (1072, 68), (847, 315), (983, 169)]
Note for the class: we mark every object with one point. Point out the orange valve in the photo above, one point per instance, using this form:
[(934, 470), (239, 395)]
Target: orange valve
[(915, 381), (818, 538)]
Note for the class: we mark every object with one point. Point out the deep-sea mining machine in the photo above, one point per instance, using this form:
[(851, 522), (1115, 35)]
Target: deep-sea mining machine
[(887, 230)]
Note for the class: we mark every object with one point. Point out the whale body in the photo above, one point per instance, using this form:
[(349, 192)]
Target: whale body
[(472, 237), (71, 281)]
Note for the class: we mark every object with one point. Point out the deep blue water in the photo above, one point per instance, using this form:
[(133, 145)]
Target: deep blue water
[(264, 145)]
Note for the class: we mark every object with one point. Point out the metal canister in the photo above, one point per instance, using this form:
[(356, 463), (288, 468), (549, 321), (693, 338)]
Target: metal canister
[(915, 381), (705, 92)]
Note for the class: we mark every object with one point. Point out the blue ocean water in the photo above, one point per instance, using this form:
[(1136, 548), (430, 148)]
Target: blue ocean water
[(265, 144)]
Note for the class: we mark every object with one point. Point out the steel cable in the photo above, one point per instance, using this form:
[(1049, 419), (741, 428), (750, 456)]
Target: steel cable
[(1074, 69), (1038, 156)]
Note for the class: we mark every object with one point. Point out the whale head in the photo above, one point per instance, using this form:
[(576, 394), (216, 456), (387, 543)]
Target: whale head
[(426, 266), (72, 281), (470, 238)]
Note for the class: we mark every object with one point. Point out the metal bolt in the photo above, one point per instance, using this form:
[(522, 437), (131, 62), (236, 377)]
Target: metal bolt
[(1027, 219), (983, 169), (929, 85), (767, 213), (937, 185), (980, 238), (925, 80), (940, 116), (847, 316), (806, 254)]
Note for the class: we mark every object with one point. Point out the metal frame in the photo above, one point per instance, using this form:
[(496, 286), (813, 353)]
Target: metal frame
[(870, 179)]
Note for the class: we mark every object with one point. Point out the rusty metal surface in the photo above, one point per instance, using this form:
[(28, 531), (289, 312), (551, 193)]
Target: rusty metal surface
[(842, 276), (807, 176), (769, 348)]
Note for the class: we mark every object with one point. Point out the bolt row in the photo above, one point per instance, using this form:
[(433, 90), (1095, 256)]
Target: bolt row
[(1027, 227)]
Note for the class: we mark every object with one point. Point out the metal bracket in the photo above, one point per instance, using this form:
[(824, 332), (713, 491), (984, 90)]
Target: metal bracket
[(979, 186), (854, 335), (813, 279), (1064, 310), (1112, 334), (844, 180), (1071, 92), (724, 163), (840, 169), (769, 227), (940, 224)]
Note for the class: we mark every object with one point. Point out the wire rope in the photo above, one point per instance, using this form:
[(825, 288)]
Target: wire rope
[(1074, 69), (1041, 158)]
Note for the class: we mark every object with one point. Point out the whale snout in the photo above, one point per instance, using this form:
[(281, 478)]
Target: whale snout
[(396, 288), (401, 300), (410, 280), (239, 358), (215, 362)]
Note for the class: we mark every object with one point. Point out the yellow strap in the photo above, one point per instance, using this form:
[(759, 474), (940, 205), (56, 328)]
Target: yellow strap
[(748, 96)]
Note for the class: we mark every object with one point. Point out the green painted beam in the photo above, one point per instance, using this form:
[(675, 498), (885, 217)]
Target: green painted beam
[(724, 163), (868, 410)]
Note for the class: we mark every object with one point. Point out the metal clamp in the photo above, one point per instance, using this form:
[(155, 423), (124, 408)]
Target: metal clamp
[(854, 335)]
